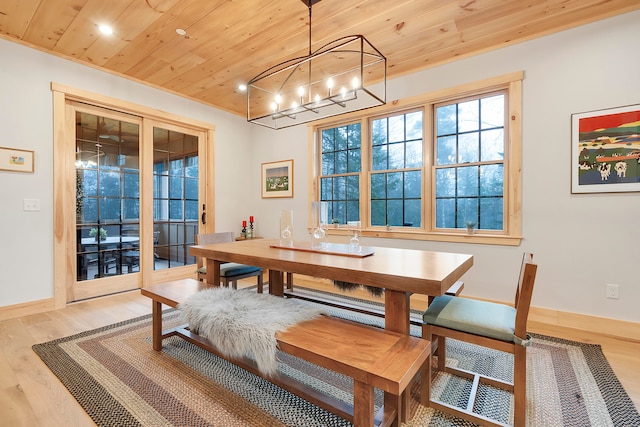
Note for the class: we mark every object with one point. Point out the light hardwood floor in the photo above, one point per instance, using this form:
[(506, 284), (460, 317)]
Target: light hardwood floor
[(31, 396)]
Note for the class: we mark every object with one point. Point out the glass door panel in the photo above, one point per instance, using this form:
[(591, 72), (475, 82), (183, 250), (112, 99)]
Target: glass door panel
[(107, 169), (175, 197)]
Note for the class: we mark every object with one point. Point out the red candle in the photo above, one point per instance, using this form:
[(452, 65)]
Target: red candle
[(244, 222), (251, 218)]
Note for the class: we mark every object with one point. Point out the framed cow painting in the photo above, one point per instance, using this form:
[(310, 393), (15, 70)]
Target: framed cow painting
[(605, 150)]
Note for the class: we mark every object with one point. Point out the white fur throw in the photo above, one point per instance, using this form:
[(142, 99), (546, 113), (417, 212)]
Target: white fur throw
[(242, 323)]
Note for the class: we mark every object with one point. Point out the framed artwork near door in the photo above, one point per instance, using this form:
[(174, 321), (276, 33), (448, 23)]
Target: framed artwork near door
[(605, 150), (16, 160), (277, 179)]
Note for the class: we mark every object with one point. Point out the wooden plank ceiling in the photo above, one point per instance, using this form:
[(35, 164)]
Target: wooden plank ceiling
[(228, 42)]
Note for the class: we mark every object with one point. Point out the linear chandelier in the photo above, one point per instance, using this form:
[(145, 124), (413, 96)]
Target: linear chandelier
[(345, 75)]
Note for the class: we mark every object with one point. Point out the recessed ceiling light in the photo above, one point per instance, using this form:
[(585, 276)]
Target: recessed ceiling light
[(242, 87), (105, 29), (181, 32)]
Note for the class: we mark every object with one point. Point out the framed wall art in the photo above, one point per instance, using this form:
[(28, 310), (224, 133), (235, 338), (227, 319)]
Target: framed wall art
[(277, 179), (605, 150), (16, 160)]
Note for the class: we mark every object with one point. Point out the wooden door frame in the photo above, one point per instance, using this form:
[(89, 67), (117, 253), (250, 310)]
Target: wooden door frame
[(64, 185)]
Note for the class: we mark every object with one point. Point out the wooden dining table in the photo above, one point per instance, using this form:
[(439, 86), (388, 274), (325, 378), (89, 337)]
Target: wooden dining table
[(400, 272)]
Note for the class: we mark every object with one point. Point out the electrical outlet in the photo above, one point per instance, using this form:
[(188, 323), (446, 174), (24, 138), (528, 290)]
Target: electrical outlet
[(613, 291)]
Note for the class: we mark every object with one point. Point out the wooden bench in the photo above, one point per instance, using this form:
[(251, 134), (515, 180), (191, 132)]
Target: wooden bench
[(373, 357)]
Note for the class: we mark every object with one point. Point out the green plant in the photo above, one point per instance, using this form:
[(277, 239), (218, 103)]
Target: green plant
[(94, 232), (335, 221), (471, 224)]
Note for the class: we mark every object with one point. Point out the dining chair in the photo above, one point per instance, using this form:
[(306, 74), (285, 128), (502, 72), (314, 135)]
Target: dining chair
[(106, 260), (230, 272), (487, 324)]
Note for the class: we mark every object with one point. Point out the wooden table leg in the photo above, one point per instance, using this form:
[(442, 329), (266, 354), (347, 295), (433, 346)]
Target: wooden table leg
[(213, 272), (276, 286), (156, 325), (362, 404)]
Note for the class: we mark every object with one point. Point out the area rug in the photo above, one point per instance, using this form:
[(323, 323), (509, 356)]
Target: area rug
[(119, 380)]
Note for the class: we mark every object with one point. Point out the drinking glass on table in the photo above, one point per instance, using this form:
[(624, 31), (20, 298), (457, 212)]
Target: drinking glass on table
[(354, 229), (319, 220), (286, 227)]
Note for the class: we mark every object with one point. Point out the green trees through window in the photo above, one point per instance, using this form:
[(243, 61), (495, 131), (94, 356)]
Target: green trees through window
[(396, 176), (341, 157), (469, 178)]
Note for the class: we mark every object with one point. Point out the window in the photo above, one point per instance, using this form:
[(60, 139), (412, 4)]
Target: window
[(469, 165), (341, 158), (428, 167), (396, 170)]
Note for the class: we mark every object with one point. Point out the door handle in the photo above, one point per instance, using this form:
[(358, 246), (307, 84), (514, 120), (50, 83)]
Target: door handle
[(204, 215)]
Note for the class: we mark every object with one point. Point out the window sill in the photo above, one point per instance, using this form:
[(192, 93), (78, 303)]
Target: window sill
[(479, 237)]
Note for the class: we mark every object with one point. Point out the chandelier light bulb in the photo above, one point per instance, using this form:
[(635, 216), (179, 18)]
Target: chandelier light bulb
[(301, 91), (274, 107), (317, 98), (294, 105), (343, 91), (278, 99), (355, 83), (330, 83)]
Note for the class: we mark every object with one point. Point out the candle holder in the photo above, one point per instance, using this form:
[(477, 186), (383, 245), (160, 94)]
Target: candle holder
[(243, 233), (250, 230)]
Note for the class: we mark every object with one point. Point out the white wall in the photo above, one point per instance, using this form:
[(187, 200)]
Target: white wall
[(26, 122), (581, 242)]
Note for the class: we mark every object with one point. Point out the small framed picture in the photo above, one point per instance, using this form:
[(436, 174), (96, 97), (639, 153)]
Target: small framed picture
[(16, 160), (277, 179), (605, 150)]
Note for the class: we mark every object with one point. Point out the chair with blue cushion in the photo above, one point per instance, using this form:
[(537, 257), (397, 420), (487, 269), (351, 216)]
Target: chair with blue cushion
[(493, 325), (230, 272)]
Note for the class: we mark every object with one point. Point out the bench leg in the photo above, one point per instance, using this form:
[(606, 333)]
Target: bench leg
[(362, 404), (156, 325)]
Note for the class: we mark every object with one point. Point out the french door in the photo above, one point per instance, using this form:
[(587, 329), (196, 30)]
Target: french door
[(139, 199)]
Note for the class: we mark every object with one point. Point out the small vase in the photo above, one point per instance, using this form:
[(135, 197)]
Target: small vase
[(471, 230)]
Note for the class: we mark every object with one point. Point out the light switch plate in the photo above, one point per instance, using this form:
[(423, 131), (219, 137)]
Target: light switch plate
[(31, 205)]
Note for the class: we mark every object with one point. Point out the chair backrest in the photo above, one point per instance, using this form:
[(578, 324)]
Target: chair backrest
[(523, 294), (208, 238)]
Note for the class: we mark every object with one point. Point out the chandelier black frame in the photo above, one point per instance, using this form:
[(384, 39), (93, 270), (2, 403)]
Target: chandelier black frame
[(345, 75)]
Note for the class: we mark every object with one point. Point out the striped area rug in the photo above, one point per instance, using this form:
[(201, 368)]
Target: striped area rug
[(120, 381)]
